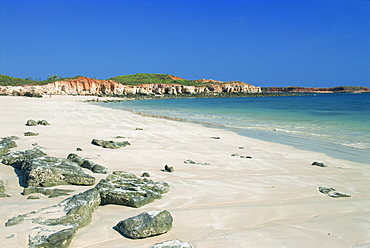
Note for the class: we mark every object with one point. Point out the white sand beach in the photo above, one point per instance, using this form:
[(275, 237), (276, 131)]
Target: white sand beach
[(270, 200)]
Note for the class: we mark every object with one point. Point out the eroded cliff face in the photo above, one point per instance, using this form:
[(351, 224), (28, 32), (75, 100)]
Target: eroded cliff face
[(88, 86)]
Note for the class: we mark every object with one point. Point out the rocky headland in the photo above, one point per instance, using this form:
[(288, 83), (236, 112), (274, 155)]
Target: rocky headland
[(89, 86)]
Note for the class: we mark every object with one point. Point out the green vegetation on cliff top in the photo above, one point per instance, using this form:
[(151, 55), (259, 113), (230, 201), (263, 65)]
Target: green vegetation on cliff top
[(135, 79)]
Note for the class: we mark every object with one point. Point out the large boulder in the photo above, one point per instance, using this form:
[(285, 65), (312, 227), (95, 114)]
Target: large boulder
[(146, 224), (126, 189), (85, 163), (110, 144), (175, 243), (56, 225), (40, 170)]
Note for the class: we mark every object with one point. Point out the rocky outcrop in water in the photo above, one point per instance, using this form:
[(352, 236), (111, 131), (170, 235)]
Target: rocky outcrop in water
[(88, 86), (146, 224)]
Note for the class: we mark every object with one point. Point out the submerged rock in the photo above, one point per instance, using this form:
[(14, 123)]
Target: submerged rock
[(110, 144), (126, 189), (85, 163), (40, 170), (50, 192), (175, 243), (332, 192), (2, 190), (146, 224), (56, 225)]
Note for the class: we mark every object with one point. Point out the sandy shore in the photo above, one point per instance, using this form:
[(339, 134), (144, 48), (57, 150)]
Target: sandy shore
[(271, 200)]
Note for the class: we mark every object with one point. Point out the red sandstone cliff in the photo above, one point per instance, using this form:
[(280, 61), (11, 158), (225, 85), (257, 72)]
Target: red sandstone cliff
[(88, 86)]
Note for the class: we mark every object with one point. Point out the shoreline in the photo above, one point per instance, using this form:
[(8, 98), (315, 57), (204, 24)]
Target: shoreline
[(270, 200)]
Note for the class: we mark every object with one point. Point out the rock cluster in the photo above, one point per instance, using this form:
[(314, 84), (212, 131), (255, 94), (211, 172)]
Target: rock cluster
[(56, 225), (31, 122), (85, 163), (332, 192), (37, 169), (50, 192), (110, 144)]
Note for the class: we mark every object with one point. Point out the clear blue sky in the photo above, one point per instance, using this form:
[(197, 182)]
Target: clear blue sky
[(261, 42)]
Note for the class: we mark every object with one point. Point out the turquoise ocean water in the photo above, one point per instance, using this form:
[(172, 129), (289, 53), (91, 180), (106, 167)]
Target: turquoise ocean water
[(336, 124)]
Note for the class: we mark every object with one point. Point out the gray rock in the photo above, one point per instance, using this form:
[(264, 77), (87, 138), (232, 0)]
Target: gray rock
[(189, 161), (32, 197), (175, 243), (2, 190), (36, 169), (43, 123), (319, 164), (126, 189), (168, 168), (146, 224), (332, 192), (50, 192), (31, 122), (56, 225), (85, 163), (30, 134), (110, 144)]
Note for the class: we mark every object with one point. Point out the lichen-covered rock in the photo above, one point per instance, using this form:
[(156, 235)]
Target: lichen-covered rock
[(7, 143), (16, 158), (175, 243), (126, 189), (30, 134), (56, 225), (2, 190), (50, 192), (146, 224), (40, 170), (31, 122), (85, 163), (110, 144), (332, 192)]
